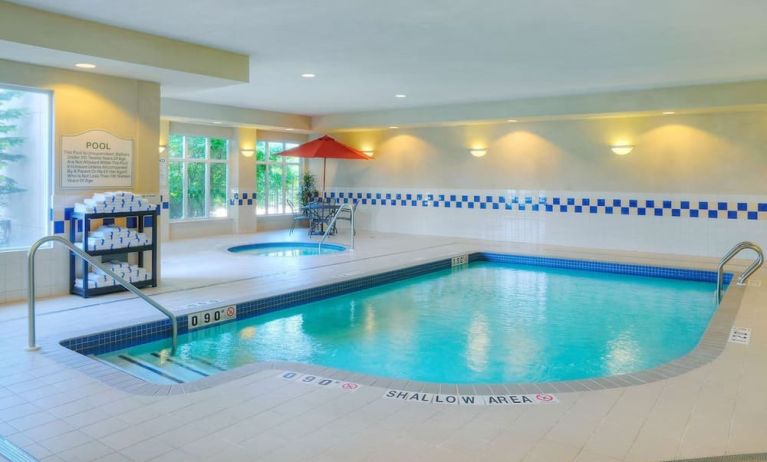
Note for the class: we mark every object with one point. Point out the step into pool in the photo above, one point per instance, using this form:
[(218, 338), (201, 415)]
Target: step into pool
[(498, 319)]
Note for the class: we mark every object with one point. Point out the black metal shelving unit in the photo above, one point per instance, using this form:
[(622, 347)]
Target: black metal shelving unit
[(86, 218)]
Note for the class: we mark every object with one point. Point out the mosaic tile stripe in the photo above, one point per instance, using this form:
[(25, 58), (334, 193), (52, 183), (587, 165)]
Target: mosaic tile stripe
[(62, 226), (242, 198), (729, 210), (116, 339)]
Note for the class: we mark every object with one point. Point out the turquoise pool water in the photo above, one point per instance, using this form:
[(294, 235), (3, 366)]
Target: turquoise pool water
[(287, 249), (481, 323)]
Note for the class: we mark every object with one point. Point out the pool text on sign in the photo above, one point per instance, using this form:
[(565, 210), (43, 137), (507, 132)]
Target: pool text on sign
[(208, 317), (471, 400), (96, 159)]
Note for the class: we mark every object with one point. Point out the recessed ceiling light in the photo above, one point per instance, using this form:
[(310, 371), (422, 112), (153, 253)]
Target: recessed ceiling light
[(512, 120), (308, 75), (289, 129), (400, 95), (668, 112), (85, 66), (393, 127)]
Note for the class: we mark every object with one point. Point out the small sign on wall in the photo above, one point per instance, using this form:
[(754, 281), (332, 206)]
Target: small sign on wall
[(459, 260), (214, 316), (96, 160)]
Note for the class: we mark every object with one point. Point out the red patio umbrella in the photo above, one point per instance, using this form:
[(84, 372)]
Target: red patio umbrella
[(325, 147)]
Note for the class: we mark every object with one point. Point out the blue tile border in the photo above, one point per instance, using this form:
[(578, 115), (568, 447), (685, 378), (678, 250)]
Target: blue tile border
[(116, 339), (543, 203), (242, 198)]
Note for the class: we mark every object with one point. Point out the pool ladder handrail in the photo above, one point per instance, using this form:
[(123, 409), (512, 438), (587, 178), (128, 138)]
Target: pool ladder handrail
[(333, 222), (755, 265), (32, 345)]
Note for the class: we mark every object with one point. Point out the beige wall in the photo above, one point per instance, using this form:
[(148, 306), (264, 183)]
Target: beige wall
[(85, 101), (701, 153)]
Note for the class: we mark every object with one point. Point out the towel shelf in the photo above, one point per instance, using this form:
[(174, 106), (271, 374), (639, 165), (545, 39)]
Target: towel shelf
[(85, 219)]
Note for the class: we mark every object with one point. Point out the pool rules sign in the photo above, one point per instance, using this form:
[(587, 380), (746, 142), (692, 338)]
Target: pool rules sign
[(96, 159)]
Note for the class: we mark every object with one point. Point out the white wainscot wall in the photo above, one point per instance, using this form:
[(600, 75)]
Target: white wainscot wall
[(665, 228)]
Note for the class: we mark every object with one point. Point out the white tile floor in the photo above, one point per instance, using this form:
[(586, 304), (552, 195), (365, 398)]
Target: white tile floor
[(57, 413)]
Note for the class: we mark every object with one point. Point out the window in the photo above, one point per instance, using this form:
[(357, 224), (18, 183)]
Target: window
[(25, 141), (277, 178), (197, 177)]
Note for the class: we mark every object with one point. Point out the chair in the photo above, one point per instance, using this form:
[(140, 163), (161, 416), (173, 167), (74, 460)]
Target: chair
[(297, 216), (315, 213)]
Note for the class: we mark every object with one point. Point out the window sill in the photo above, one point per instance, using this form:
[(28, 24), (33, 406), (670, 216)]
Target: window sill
[(199, 220), (24, 250), (275, 215)]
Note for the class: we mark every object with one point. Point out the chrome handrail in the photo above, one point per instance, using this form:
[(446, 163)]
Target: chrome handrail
[(333, 222), (32, 346), (745, 245)]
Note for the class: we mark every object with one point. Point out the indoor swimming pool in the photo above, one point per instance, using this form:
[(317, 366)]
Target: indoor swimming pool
[(497, 321), (286, 249)]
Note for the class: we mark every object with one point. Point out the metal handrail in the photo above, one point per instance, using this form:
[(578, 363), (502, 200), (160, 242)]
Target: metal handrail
[(333, 222), (745, 245), (32, 346)]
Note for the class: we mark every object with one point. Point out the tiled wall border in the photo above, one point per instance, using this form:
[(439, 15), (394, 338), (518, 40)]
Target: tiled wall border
[(513, 201), (242, 199), (711, 345), (59, 217), (575, 203)]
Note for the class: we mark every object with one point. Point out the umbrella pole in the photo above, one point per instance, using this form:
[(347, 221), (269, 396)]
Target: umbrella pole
[(324, 174)]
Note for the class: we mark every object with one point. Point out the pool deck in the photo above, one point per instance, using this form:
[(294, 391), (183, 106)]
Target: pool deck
[(57, 412)]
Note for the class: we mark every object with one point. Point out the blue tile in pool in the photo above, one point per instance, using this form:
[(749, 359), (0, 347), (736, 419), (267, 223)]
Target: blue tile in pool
[(605, 267)]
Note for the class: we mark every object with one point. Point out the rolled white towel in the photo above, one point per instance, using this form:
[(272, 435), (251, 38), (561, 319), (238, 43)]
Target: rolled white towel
[(84, 208), (126, 271), (95, 281), (97, 244), (118, 196), (113, 232), (97, 203)]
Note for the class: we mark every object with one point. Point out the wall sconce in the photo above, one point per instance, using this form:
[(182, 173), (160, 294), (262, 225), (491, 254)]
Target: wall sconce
[(368, 152), (162, 148), (247, 152), (478, 152), (621, 149)]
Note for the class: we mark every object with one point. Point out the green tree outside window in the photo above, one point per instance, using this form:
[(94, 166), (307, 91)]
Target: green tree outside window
[(198, 177), (277, 178)]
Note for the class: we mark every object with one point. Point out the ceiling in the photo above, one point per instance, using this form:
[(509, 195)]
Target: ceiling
[(442, 52)]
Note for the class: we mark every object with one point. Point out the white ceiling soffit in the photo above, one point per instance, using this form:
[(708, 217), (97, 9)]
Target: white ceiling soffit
[(439, 52), (720, 97), (195, 112), (46, 57)]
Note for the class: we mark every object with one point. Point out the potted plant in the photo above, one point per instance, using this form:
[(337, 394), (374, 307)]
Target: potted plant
[(8, 155), (308, 188)]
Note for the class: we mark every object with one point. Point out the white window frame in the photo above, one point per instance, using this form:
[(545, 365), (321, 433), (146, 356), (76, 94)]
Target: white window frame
[(47, 183), (185, 160), (283, 162)]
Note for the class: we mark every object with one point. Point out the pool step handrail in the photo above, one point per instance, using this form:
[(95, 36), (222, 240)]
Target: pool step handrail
[(32, 345), (333, 222), (755, 265)]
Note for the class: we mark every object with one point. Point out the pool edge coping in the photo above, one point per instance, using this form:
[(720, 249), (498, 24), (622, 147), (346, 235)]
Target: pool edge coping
[(711, 344)]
